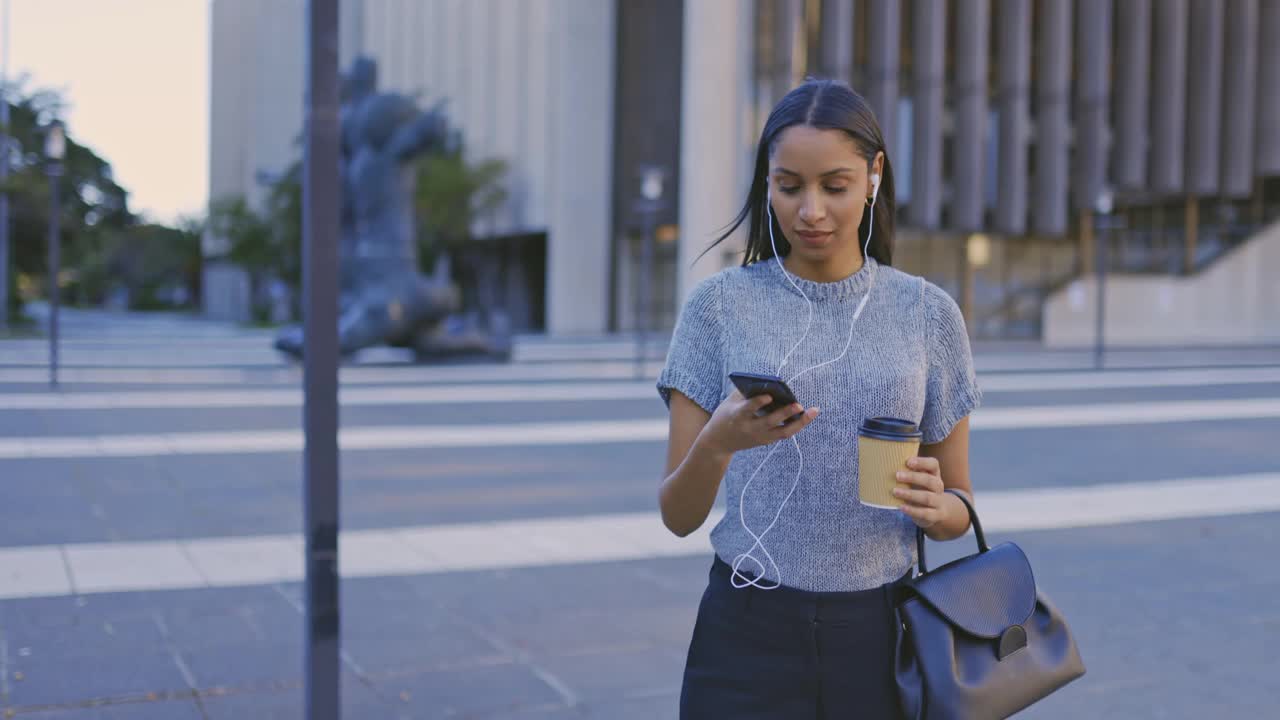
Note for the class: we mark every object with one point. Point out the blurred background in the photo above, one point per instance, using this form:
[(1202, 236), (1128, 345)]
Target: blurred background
[(529, 187), (1032, 143), (1010, 126)]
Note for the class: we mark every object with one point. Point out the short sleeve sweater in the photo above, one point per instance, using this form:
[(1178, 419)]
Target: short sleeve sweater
[(909, 358)]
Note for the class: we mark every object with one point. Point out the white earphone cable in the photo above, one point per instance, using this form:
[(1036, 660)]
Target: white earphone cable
[(737, 579)]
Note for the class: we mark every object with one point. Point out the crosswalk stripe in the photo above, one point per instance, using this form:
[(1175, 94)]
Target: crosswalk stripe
[(350, 375), (552, 391), (408, 437), (349, 397), (86, 568)]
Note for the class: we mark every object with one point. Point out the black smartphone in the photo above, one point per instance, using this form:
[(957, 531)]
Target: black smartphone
[(753, 384)]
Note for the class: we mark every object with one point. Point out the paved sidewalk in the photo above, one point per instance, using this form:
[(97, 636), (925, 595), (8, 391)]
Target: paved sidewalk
[(606, 640), (502, 554)]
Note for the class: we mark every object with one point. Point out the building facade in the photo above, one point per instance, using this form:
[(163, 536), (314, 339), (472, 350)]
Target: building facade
[(1020, 131)]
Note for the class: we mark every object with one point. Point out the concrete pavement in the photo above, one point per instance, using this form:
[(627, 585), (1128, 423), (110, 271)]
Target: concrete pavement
[(162, 584)]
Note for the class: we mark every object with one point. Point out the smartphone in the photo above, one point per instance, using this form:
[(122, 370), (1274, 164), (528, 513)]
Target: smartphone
[(752, 384)]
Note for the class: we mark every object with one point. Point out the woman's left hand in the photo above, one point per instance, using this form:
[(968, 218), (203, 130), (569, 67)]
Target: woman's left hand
[(922, 492)]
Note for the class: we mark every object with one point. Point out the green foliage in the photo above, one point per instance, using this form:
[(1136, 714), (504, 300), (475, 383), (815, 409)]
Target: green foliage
[(157, 264), (452, 195), (104, 246), (265, 242)]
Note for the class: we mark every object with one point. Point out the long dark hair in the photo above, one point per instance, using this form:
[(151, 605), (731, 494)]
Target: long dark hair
[(827, 105)]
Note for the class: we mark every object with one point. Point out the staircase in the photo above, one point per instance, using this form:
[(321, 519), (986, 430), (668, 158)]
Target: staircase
[(1010, 294)]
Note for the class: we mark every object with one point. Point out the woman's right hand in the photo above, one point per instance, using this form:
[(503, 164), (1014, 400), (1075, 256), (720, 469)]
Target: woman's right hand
[(736, 426)]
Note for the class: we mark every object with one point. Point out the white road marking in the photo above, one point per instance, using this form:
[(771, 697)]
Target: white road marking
[(409, 437), (349, 397), (992, 376), (34, 571), (514, 392), (40, 571), (350, 375), (1085, 380)]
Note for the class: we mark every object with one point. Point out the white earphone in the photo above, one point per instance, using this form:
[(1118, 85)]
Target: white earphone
[(739, 580)]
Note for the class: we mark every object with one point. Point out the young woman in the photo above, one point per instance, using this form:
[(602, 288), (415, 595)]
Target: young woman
[(796, 620)]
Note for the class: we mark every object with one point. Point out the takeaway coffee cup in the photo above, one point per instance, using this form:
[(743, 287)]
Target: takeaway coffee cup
[(884, 446)]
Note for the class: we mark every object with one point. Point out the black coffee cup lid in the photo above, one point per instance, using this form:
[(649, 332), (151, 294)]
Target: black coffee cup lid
[(887, 428)]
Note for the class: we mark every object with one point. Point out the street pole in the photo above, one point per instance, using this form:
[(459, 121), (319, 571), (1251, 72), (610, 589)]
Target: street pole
[(321, 197), (4, 170), (55, 270), (1099, 346), (1104, 204), (643, 321), (55, 149), (648, 207)]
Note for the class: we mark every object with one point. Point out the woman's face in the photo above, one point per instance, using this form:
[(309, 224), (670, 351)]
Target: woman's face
[(820, 186)]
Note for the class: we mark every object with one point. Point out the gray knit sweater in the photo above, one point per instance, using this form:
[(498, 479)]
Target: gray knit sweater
[(910, 358)]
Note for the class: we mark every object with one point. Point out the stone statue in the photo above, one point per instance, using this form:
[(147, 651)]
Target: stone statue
[(385, 300)]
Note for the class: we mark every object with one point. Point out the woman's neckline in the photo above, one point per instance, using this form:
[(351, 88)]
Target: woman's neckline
[(855, 284)]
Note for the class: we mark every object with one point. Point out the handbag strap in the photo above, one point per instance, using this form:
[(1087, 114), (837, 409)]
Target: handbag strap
[(973, 518)]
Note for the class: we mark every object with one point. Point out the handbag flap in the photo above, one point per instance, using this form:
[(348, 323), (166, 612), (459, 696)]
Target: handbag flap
[(983, 594)]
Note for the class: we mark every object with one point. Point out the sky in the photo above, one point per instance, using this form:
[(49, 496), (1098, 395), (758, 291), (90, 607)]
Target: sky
[(135, 75)]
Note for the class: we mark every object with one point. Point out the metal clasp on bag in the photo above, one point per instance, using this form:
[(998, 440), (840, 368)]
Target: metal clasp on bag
[(1013, 639)]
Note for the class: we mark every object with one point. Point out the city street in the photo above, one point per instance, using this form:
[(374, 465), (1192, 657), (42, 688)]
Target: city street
[(502, 553)]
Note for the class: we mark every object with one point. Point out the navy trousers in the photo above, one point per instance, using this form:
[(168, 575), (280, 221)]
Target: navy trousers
[(788, 654)]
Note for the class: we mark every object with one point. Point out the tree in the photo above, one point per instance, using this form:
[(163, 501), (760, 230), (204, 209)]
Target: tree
[(156, 266), (104, 245), (266, 243), (92, 204), (452, 195)]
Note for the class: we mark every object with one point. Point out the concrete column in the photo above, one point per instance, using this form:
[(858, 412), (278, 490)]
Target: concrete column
[(837, 39), (508, 107), (1168, 96), (478, 27), (1268, 128), (1053, 87), (714, 100), (1133, 92), (454, 52), (1014, 54), (1204, 106), (790, 48), (1093, 94), (413, 36), (230, 49), (1239, 97), (350, 32), (422, 47), (884, 29), (580, 210), (374, 30), (224, 286), (433, 40), (928, 48), (540, 49), (968, 150)]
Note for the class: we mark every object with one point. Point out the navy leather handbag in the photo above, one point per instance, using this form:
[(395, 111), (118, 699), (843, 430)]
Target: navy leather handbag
[(975, 638)]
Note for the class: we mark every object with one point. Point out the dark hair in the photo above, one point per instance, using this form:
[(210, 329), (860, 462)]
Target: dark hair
[(827, 105)]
